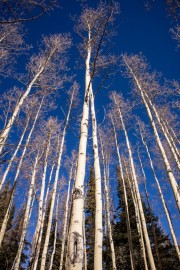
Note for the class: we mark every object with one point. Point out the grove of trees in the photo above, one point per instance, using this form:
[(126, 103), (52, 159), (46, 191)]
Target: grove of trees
[(89, 142)]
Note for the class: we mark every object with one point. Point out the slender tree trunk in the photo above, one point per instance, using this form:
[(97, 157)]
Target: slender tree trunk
[(172, 180), (6, 130), (14, 155), (37, 246), (125, 199), (64, 234), (163, 200), (26, 214), (107, 206), (75, 243), (44, 253), (138, 219), (85, 253), (141, 212), (41, 198), (164, 130), (98, 191), (149, 206), (5, 221), (55, 235)]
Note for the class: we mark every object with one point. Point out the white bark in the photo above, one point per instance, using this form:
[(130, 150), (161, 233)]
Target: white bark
[(37, 246), (98, 191), (125, 199), (41, 198), (141, 212), (138, 220), (14, 155), (26, 214), (55, 235), (5, 221), (64, 234), (84, 237), (5, 133), (164, 130), (44, 253), (172, 180), (163, 200), (107, 205), (75, 238)]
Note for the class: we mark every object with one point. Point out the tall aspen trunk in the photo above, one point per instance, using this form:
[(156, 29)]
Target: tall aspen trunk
[(26, 214), (85, 253), (163, 200), (75, 251), (5, 221), (41, 198), (164, 130), (107, 207), (44, 253), (141, 212), (5, 133), (14, 155), (172, 180), (98, 191), (125, 199), (138, 219), (35, 252), (149, 206), (55, 235), (64, 234)]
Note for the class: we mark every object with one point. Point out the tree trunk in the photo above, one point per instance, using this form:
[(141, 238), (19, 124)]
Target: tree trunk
[(163, 200), (98, 192), (64, 234), (125, 199), (149, 206), (138, 220), (5, 133), (107, 206), (172, 180), (14, 155), (141, 212), (26, 214), (35, 253), (75, 238), (3, 228), (55, 235), (44, 253)]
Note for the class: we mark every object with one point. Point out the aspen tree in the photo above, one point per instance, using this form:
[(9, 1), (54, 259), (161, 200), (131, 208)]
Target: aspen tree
[(141, 212), (137, 215), (98, 191), (44, 67), (72, 94), (27, 211), (125, 197), (133, 64), (92, 22), (107, 204), (64, 233), (50, 128), (55, 235), (3, 228), (37, 246), (162, 197), (149, 206)]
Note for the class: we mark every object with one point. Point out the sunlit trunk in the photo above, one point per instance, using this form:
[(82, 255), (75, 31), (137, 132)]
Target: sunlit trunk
[(172, 180), (141, 211), (125, 199), (98, 191), (75, 252), (163, 200), (26, 214)]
